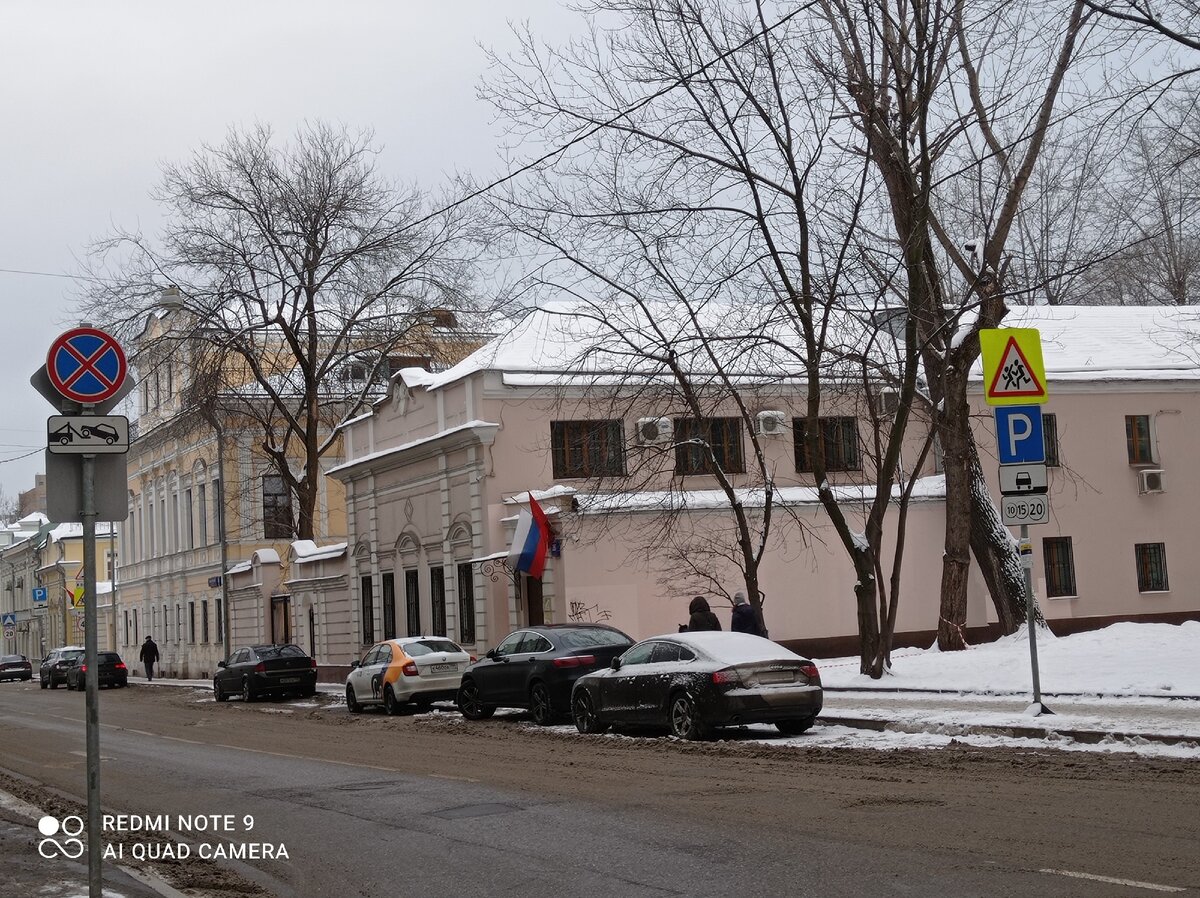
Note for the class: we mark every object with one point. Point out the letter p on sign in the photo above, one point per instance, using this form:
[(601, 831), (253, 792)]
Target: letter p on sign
[(1019, 434)]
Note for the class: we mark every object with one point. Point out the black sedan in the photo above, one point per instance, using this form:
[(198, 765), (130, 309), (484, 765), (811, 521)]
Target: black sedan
[(112, 672), (265, 670), (535, 668), (54, 667), (694, 682), (15, 667)]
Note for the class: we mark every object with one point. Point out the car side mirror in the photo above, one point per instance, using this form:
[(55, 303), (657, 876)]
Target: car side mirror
[(491, 654), (616, 664), (221, 664), (354, 665)]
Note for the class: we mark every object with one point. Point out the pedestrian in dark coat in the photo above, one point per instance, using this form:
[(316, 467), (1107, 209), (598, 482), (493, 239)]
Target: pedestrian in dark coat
[(149, 657), (745, 620), (702, 617)]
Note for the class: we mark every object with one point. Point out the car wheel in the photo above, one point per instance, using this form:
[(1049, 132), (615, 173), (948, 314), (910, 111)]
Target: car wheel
[(42, 683), (794, 727), (540, 705), (470, 703), (584, 713), (218, 692), (684, 718), (390, 706), (352, 704), (248, 694), (70, 688)]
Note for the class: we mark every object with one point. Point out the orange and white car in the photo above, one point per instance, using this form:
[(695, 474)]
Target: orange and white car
[(419, 669)]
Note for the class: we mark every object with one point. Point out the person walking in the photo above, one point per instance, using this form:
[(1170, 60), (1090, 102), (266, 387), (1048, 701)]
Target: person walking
[(149, 657), (702, 617), (745, 620)]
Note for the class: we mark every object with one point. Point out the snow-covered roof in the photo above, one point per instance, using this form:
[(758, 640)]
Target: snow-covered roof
[(1089, 343), (305, 550), (735, 648), (413, 444), (566, 341), (72, 531)]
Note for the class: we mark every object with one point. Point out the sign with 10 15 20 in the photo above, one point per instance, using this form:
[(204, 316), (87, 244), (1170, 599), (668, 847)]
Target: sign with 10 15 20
[(1027, 509)]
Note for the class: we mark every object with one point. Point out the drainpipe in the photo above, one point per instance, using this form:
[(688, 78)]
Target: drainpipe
[(220, 499)]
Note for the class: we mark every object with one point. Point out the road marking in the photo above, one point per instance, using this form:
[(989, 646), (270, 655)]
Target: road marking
[(1133, 883)]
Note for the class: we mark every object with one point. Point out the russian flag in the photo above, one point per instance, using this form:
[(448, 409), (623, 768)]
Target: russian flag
[(531, 542)]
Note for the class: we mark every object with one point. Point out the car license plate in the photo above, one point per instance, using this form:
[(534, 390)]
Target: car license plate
[(776, 676), (290, 680), (444, 668)]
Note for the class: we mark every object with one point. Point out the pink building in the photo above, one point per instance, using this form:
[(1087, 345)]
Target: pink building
[(436, 473)]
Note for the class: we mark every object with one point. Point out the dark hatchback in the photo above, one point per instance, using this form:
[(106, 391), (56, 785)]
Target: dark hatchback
[(691, 683), (112, 672), (15, 667), (55, 665), (536, 667), (265, 670)]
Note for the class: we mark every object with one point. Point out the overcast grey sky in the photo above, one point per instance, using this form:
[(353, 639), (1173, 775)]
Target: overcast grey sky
[(96, 94)]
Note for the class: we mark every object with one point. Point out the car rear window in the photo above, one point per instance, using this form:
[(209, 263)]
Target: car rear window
[(279, 651), (72, 655), (429, 646), (110, 656), (590, 638), (8, 659)]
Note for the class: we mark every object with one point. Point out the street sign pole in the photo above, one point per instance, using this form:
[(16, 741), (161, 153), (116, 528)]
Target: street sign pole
[(1031, 615), (88, 513)]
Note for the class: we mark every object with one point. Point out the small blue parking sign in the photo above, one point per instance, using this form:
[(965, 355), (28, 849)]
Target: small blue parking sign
[(1019, 434), (39, 595)]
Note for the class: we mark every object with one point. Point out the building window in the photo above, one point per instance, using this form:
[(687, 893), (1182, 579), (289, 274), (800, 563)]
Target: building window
[(1137, 439), (1151, 567), (189, 532), (126, 640), (175, 546), (412, 602), (204, 620), (838, 441), (191, 621), (437, 598), (110, 560), (368, 611), (588, 448), (219, 632), (1060, 566), (202, 507), (1050, 439), (276, 508), (166, 625), (389, 605), (179, 623), (466, 604), (707, 445), (135, 627)]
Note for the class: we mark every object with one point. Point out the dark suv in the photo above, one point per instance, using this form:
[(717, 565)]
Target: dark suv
[(55, 665), (112, 672)]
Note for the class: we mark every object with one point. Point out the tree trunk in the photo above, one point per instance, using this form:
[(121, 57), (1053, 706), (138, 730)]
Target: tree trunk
[(870, 644), (954, 430), (995, 553)]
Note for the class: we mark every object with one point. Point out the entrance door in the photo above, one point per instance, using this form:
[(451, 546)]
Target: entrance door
[(533, 601), (281, 619)]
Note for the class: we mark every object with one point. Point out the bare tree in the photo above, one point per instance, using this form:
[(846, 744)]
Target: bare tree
[(304, 271), (1176, 20), (714, 224)]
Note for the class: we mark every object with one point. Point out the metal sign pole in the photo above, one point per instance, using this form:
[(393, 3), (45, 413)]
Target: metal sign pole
[(1031, 615), (90, 613)]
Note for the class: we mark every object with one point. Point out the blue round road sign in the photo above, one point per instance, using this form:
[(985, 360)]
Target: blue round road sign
[(86, 365)]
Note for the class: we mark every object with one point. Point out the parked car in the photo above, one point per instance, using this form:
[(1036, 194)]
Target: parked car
[(54, 667), (536, 667), (420, 669), (691, 683), (265, 670), (112, 672), (15, 667)]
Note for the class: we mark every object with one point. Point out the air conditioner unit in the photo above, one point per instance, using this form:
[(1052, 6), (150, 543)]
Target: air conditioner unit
[(655, 430), (885, 403), (1150, 480), (771, 423)]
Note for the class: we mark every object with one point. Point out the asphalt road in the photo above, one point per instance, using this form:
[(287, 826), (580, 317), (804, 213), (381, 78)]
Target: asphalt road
[(432, 805)]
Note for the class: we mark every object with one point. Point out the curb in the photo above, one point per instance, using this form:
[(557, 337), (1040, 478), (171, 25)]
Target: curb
[(1087, 737), (998, 693)]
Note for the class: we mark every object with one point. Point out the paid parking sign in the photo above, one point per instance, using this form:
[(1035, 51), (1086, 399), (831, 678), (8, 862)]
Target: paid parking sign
[(1019, 437)]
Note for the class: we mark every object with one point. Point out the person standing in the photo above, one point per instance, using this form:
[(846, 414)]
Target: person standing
[(745, 620), (149, 657), (702, 617)]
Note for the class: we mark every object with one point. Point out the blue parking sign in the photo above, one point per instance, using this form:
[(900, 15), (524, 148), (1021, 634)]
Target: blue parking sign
[(1019, 434), (39, 595)]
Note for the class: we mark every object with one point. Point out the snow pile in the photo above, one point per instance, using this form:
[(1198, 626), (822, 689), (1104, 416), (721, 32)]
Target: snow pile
[(1122, 659)]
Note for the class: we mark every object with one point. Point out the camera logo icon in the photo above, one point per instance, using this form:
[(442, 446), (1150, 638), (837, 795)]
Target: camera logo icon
[(70, 847)]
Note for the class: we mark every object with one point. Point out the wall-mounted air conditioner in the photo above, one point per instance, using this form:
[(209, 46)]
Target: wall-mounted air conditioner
[(1150, 480), (654, 430), (771, 423)]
